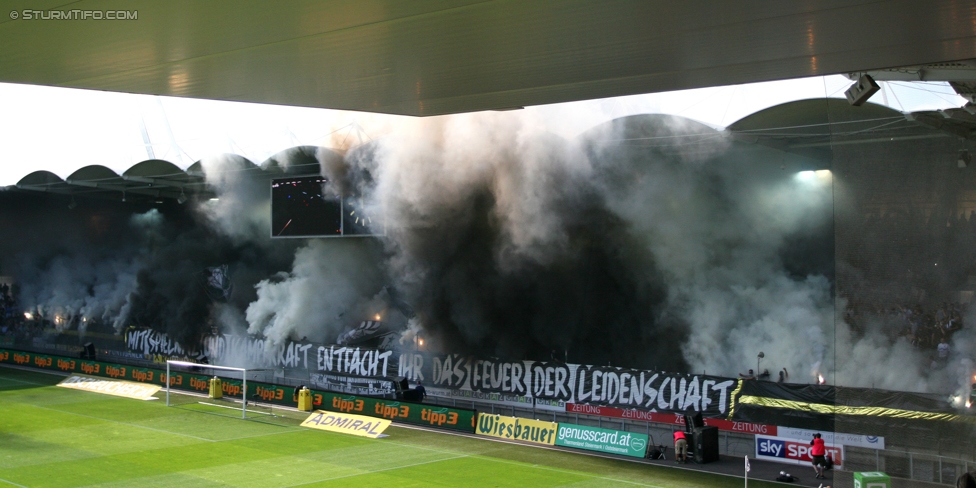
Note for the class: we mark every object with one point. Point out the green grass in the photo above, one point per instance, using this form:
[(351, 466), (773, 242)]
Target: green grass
[(52, 436)]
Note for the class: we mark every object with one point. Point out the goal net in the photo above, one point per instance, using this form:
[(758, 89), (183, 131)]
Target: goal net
[(191, 384)]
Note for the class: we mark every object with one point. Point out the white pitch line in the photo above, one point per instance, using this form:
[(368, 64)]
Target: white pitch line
[(12, 483), (23, 381), (232, 408), (290, 430), (126, 423), (379, 470)]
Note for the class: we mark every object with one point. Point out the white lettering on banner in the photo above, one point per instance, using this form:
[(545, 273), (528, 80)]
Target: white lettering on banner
[(259, 352), (264, 353), (570, 383), (866, 441), (353, 361), (352, 384), (150, 342), (523, 382)]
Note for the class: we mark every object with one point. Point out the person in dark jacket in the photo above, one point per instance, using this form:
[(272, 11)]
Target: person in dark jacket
[(967, 480)]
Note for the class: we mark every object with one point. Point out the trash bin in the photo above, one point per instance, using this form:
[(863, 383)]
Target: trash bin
[(215, 389), (871, 479), (305, 400)]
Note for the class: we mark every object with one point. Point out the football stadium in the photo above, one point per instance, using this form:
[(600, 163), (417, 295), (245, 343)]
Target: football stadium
[(488, 244)]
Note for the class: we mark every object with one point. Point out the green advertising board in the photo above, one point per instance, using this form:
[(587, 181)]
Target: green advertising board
[(414, 413), (871, 479), (601, 440), (182, 381)]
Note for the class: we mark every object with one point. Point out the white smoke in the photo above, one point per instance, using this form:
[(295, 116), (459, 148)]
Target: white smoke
[(71, 290), (323, 294), (240, 210)]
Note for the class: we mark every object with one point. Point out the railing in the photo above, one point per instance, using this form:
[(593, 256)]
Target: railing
[(914, 466), (908, 465)]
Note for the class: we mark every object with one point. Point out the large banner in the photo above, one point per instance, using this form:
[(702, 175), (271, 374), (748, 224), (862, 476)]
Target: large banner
[(572, 383), (352, 384), (515, 428), (547, 385), (602, 440)]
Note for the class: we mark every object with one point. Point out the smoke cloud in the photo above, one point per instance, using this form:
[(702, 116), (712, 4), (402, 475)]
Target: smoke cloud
[(649, 241)]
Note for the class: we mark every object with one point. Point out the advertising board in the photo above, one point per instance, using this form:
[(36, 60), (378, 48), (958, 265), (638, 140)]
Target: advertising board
[(792, 451), (414, 413), (346, 424), (601, 440), (515, 428)]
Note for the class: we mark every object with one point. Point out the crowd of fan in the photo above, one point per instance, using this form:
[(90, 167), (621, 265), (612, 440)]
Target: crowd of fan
[(929, 330), (12, 320)]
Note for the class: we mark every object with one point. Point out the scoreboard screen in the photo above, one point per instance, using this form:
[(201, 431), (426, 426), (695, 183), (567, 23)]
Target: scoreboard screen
[(300, 208)]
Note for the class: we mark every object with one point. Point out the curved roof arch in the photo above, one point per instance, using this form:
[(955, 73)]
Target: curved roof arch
[(226, 162), (300, 160), (40, 178), (154, 168), (94, 172)]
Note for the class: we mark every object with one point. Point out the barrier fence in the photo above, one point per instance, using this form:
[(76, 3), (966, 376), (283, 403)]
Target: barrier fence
[(420, 414), (612, 434)]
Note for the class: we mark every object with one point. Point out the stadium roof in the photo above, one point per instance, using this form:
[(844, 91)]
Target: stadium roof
[(451, 56), (156, 179), (805, 127)]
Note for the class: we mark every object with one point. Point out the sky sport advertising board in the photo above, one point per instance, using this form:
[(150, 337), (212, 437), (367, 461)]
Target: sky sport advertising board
[(792, 451), (834, 438), (601, 440)]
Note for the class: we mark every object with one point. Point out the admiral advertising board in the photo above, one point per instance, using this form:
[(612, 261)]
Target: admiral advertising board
[(347, 424), (127, 389), (792, 451)]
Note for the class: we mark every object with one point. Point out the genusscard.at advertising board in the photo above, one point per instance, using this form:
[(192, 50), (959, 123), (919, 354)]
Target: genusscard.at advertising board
[(601, 440)]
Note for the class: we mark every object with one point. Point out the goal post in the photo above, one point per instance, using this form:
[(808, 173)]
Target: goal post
[(243, 372)]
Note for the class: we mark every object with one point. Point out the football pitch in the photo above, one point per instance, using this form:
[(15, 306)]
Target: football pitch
[(59, 437)]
